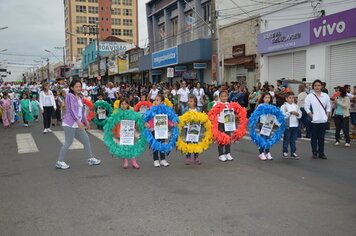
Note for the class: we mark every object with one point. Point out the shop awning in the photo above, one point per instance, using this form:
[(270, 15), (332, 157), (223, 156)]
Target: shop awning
[(238, 61)]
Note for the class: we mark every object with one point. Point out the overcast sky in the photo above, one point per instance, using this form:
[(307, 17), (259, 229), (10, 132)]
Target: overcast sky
[(36, 25)]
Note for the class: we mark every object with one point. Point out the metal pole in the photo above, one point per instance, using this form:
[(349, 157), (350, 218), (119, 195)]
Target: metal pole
[(48, 74), (98, 50), (214, 39)]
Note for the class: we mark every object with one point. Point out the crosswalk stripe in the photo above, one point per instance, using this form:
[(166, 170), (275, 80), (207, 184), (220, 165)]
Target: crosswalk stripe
[(25, 143), (97, 133), (75, 145)]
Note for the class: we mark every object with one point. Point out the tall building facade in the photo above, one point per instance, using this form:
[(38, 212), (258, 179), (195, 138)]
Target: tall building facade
[(117, 18)]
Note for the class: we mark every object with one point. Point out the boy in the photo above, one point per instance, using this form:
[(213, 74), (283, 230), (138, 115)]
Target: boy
[(292, 113)]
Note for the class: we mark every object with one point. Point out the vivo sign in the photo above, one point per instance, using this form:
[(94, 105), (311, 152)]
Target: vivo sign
[(329, 28)]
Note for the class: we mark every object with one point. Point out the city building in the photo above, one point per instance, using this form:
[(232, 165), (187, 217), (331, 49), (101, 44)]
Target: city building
[(312, 42), (85, 18)]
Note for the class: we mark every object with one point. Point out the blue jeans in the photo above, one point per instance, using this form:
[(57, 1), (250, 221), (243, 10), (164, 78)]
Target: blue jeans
[(290, 139), (183, 108), (318, 137), (306, 123)]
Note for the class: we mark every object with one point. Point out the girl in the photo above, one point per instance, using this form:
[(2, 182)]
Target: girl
[(200, 95), (157, 155), (224, 156), (48, 106), (35, 107), (5, 105), (111, 92), (26, 109), (192, 104), (74, 123), (265, 154)]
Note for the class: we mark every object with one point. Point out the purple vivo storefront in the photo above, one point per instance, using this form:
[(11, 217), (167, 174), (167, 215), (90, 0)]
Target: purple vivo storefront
[(323, 48)]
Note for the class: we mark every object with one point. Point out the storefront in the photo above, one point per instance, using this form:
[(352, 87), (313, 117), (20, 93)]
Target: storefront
[(323, 48)]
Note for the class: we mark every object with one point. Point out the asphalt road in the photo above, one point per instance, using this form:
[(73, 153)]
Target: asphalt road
[(243, 197)]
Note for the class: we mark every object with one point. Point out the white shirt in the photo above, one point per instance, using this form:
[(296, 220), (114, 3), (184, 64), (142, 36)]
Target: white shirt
[(319, 114), (184, 93), (174, 92), (111, 92), (286, 109), (66, 90), (301, 99), (154, 93), (216, 93), (199, 94)]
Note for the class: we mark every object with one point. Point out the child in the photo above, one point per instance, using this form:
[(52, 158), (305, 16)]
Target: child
[(35, 107), (212, 103), (124, 105), (224, 156), (292, 113), (266, 98), (100, 97), (5, 105), (157, 155), (192, 104), (26, 109)]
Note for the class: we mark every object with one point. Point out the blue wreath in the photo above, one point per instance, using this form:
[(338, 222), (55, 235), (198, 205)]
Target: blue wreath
[(265, 109), (172, 116)]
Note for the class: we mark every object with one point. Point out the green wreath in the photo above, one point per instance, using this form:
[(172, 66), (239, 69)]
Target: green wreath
[(107, 107), (124, 151)]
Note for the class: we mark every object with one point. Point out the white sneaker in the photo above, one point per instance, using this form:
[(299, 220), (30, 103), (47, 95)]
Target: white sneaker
[(26, 125), (49, 130), (262, 157), (93, 161), (45, 131), (222, 158), (268, 156), (337, 143), (156, 164), (229, 157), (164, 163), (285, 155), (61, 165)]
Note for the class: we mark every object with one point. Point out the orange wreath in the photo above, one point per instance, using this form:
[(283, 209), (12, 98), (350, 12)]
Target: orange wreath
[(90, 106), (142, 103), (220, 137)]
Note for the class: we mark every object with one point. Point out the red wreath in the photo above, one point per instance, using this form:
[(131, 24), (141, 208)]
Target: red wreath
[(90, 105), (142, 103), (220, 137)]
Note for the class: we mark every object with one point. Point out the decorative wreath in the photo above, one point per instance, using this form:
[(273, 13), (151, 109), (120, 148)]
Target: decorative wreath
[(266, 109), (167, 102), (124, 151), (142, 103), (220, 137), (172, 116), (107, 107), (203, 119), (90, 106)]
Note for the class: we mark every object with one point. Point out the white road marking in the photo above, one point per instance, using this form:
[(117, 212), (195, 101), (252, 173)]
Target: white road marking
[(97, 133), (75, 145), (25, 143), (246, 137)]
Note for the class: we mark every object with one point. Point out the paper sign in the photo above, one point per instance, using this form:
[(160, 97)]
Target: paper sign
[(229, 120), (161, 126), (267, 126), (101, 113), (193, 132), (127, 132)]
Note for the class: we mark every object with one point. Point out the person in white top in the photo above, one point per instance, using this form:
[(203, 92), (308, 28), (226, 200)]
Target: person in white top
[(153, 93), (318, 107), (48, 106), (291, 113), (200, 95), (111, 91), (304, 119), (183, 94)]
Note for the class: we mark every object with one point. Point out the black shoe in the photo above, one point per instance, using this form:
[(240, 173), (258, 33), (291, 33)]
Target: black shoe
[(322, 156), (315, 155)]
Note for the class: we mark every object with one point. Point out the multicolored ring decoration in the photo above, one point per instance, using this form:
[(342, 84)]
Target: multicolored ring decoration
[(107, 107), (90, 106), (220, 137), (142, 103)]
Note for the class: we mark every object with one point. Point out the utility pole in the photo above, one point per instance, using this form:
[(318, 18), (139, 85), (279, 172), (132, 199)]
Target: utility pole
[(96, 32), (48, 74), (215, 58)]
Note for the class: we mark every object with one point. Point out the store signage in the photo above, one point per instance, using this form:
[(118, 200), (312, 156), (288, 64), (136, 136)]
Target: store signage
[(200, 66), (119, 47), (238, 50), (284, 38), (337, 26), (164, 58), (333, 27), (156, 72), (170, 72), (180, 68)]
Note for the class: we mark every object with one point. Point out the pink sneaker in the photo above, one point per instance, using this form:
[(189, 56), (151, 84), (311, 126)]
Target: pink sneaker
[(188, 161), (134, 163), (126, 163), (197, 161), (262, 157)]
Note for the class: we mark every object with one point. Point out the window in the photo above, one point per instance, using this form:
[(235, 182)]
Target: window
[(93, 10), (93, 20), (92, 0), (116, 11), (117, 2), (127, 12), (127, 32), (115, 21), (80, 0), (81, 30), (127, 22), (81, 41), (175, 27), (81, 19), (127, 2), (79, 8), (91, 40), (206, 13), (116, 32), (93, 30), (79, 51)]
